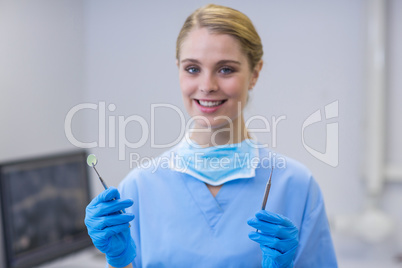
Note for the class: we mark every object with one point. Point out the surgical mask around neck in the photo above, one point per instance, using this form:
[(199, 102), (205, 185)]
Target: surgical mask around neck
[(218, 164)]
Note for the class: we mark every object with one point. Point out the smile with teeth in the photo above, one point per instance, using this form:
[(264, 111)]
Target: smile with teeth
[(210, 103)]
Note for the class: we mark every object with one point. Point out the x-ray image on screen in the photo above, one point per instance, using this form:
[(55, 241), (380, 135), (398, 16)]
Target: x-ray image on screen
[(44, 207)]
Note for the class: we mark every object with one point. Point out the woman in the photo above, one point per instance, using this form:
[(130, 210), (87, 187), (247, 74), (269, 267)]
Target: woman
[(199, 210)]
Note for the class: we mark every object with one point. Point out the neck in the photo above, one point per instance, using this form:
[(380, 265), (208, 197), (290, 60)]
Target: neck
[(227, 134)]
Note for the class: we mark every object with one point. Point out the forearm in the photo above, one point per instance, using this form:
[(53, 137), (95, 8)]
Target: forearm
[(128, 266)]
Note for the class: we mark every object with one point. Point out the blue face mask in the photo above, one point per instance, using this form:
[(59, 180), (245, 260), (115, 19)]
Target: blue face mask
[(216, 165)]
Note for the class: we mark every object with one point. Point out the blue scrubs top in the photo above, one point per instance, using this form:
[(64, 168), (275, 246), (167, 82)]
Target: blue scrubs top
[(178, 223)]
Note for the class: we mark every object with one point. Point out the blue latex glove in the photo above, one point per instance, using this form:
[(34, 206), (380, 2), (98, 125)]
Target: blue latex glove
[(278, 239), (108, 229)]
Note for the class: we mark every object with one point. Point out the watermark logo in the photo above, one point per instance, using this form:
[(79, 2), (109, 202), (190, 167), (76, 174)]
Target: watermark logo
[(200, 161), (112, 129), (117, 125), (331, 154)]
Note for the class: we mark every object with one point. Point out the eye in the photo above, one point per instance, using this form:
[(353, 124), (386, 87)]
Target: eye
[(226, 70), (192, 70)]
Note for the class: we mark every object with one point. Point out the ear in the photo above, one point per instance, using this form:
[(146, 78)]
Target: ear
[(255, 74), (177, 62)]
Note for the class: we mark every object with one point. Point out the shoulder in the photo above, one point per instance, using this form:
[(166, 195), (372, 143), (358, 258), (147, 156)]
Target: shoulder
[(291, 181), (284, 167)]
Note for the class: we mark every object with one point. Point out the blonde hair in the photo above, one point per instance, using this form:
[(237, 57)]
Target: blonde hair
[(225, 20)]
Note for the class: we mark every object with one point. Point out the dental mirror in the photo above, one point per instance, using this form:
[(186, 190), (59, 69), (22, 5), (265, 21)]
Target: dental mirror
[(92, 161)]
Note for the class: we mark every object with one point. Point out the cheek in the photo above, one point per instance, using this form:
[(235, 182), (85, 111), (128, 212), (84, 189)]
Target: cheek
[(187, 86), (235, 88)]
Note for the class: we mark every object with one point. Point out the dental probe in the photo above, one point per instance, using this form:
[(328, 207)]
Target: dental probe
[(267, 189)]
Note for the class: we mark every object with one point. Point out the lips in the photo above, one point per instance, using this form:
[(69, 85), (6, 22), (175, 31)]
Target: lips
[(209, 106)]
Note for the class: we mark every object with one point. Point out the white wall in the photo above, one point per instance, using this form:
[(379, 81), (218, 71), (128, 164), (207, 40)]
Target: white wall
[(41, 74), (394, 144)]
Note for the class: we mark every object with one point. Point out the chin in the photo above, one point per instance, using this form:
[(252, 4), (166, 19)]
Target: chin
[(213, 124)]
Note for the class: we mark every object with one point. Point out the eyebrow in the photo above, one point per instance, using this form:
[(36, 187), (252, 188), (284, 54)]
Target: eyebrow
[(219, 62)]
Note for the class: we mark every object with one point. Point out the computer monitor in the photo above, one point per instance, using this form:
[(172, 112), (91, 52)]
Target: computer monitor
[(43, 204)]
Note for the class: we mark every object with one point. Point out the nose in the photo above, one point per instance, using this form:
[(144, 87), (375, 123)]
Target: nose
[(208, 83)]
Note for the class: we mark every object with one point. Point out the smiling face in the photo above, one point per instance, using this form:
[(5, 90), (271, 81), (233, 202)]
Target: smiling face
[(214, 78)]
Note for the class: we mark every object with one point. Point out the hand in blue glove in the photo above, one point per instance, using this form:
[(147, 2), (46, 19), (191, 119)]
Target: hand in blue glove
[(109, 229), (278, 239)]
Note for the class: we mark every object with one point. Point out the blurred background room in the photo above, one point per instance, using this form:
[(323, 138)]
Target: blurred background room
[(101, 76)]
